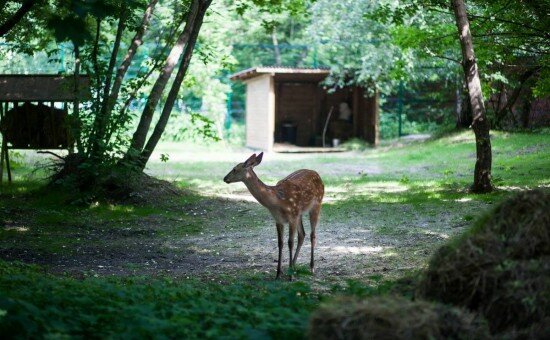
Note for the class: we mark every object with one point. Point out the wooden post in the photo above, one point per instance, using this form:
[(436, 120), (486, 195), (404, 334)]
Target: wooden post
[(2, 160), (7, 155), (2, 146)]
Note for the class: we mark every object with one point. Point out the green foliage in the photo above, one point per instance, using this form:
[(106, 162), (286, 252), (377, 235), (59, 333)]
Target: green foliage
[(34, 304), (510, 42), (192, 126), (389, 126)]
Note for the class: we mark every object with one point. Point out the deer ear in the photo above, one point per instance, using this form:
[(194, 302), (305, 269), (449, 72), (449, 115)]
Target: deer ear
[(259, 158), (250, 161)]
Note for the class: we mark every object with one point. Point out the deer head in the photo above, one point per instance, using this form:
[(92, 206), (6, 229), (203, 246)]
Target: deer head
[(241, 170)]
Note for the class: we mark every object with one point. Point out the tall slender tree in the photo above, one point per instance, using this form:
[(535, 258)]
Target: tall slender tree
[(480, 123)]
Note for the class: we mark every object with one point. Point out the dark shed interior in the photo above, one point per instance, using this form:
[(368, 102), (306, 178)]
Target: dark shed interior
[(302, 106)]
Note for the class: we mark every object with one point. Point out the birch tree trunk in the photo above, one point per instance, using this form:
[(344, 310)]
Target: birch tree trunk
[(77, 123), (192, 27), (480, 124)]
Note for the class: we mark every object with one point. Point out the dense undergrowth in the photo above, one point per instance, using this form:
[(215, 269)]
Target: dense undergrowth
[(34, 305)]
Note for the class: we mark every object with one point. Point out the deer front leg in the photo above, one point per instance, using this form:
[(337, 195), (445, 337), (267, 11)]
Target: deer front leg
[(301, 236), (280, 229)]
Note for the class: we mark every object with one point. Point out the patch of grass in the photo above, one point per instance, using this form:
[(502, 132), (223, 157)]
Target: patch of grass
[(387, 230)]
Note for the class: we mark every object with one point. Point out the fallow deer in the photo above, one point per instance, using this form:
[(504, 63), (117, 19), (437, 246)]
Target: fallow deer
[(299, 193)]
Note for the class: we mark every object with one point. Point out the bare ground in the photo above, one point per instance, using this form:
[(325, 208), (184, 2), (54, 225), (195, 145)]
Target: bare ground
[(237, 236)]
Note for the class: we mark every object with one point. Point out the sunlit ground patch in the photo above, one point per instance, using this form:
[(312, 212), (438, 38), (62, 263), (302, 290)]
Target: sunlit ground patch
[(16, 228), (441, 235), (353, 250)]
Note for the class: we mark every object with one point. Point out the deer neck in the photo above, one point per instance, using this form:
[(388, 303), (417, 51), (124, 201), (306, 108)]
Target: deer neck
[(263, 193)]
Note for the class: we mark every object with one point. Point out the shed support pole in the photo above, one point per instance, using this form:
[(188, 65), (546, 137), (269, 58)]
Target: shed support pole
[(2, 146)]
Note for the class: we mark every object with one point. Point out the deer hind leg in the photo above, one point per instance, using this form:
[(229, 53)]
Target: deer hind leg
[(291, 232), (314, 221), (280, 230), (301, 236)]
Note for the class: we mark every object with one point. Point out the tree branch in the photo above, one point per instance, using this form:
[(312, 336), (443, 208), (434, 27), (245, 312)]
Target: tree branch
[(500, 114), (51, 153), (519, 24), (17, 16)]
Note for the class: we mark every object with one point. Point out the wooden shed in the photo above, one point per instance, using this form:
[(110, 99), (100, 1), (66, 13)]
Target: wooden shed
[(289, 105)]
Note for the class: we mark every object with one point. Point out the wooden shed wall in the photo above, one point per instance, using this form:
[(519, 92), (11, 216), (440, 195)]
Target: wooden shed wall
[(260, 112)]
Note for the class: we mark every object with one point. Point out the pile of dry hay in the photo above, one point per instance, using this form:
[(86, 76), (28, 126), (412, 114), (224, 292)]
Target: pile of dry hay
[(499, 269), (394, 318)]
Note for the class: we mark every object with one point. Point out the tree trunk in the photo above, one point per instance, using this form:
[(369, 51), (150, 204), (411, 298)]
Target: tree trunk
[(140, 135), (95, 63), (100, 119), (525, 113), (132, 49), (192, 27), (77, 124), (480, 124)]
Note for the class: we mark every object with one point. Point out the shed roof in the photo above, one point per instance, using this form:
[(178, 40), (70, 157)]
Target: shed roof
[(42, 87), (302, 72)]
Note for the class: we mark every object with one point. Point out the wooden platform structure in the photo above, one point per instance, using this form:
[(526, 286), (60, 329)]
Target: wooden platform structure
[(26, 122)]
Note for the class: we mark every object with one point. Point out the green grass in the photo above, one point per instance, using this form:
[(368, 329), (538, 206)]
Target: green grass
[(519, 159)]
